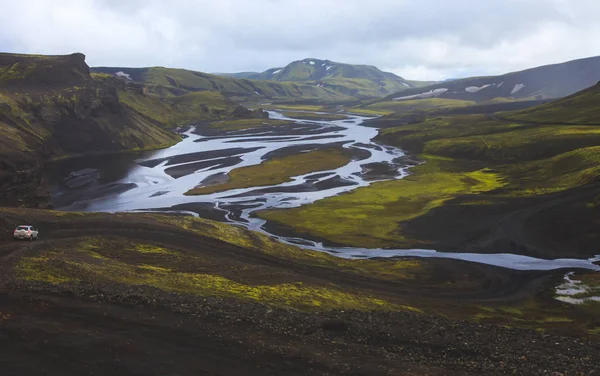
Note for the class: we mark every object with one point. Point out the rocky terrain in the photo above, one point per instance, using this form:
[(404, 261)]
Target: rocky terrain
[(132, 294), (145, 293)]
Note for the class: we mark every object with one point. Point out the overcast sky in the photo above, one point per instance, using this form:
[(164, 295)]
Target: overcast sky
[(417, 39)]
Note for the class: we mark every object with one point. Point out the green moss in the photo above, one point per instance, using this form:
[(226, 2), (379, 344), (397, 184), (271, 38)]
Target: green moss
[(146, 248), (239, 124), (314, 116), (41, 269), (371, 216), (512, 311), (417, 104), (297, 107), (278, 170), (97, 267), (595, 331)]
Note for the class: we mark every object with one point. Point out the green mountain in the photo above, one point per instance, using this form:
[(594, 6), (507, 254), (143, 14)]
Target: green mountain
[(315, 69), (362, 81), (238, 75), (53, 107), (179, 81), (549, 81)]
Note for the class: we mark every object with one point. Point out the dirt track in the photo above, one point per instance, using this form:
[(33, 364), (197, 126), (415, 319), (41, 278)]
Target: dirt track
[(98, 329)]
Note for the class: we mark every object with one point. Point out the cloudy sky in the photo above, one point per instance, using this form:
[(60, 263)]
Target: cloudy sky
[(417, 39)]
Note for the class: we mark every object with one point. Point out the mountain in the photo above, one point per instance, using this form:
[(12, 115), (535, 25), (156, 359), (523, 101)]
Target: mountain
[(238, 75), (315, 69), (549, 81), (362, 81), (179, 81), (53, 107)]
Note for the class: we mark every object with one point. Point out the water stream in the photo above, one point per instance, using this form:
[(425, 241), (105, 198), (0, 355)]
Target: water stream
[(158, 181)]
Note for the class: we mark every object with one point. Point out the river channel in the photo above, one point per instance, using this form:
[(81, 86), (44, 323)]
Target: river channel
[(157, 181)]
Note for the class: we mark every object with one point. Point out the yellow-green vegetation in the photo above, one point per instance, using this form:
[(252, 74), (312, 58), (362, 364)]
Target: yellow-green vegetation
[(388, 107), (146, 248), (544, 315), (579, 108), (362, 88), (178, 110), (45, 268), (477, 160), (363, 217), (368, 112), (296, 107), (314, 116), (279, 170), (183, 80), (101, 261), (392, 270), (239, 124)]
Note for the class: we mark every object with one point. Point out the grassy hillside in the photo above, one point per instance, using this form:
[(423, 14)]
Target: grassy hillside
[(316, 69), (545, 82), (360, 81), (52, 107), (181, 81), (178, 261), (512, 182)]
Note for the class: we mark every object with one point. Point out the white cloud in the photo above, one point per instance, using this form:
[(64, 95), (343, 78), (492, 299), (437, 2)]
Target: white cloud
[(429, 39)]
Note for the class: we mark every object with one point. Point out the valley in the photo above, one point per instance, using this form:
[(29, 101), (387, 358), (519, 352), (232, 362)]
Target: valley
[(288, 220)]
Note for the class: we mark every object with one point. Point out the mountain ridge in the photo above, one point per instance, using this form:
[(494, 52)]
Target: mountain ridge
[(351, 79), (542, 82)]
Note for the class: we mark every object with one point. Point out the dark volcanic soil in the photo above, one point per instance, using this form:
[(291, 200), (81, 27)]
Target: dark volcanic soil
[(98, 328)]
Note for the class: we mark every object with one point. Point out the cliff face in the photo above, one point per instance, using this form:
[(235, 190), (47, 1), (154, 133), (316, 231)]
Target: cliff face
[(51, 106)]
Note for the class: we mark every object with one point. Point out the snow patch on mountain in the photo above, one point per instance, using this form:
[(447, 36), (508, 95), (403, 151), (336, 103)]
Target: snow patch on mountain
[(328, 67), (123, 74), (311, 62), (517, 88), (475, 89), (500, 84), (277, 71), (427, 94)]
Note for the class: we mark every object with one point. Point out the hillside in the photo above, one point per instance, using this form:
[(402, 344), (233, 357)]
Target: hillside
[(525, 182), (188, 296), (549, 81), (179, 81), (363, 81), (52, 107)]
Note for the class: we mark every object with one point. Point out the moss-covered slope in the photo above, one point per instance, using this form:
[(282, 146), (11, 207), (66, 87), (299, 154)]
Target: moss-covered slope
[(359, 81), (51, 107), (179, 81), (521, 182)]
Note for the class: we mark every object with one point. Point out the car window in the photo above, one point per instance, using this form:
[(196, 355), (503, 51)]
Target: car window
[(23, 228)]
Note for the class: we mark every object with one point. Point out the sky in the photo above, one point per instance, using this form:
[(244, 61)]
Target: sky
[(419, 40)]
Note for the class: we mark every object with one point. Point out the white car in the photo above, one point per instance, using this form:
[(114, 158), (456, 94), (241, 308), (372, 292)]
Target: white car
[(25, 232)]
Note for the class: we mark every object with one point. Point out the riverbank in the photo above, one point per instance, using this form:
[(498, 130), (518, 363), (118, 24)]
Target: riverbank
[(506, 183)]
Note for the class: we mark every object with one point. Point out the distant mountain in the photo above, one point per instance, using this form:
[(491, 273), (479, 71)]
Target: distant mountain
[(549, 81), (582, 107), (315, 69), (363, 81), (181, 81), (238, 75)]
